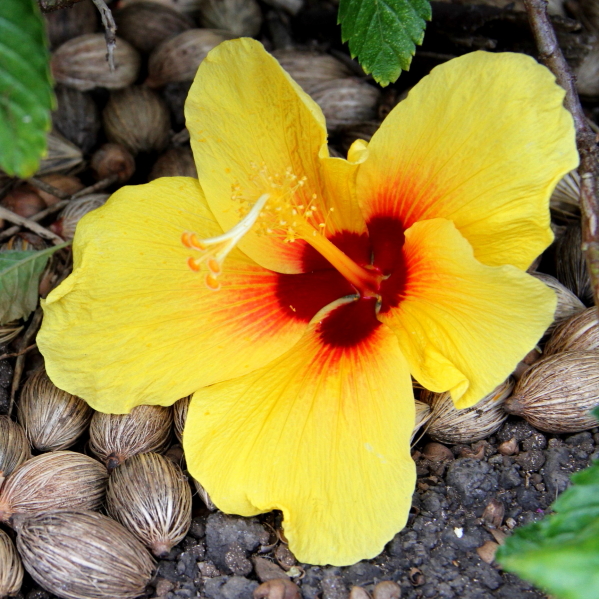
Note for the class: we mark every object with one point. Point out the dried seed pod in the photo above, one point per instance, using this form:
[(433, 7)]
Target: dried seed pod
[(180, 416), (58, 480), (423, 413), (62, 25), (11, 569), (175, 162), (116, 437), (113, 159), (61, 155), (386, 589), (565, 199), (77, 117), (83, 555), (146, 25), (81, 63), (178, 58), (449, 425), (346, 101), (65, 183), (187, 7), (241, 18), (291, 6), (23, 200), (310, 69), (556, 394), (437, 452), (9, 331), (74, 211), (579, 333), (568, 304), (204, 495), (277, 588), (587, 75), (52, 418), (151, 497), (358, 593), (24, 241), (138, 119), (570, 263), (14, 448)]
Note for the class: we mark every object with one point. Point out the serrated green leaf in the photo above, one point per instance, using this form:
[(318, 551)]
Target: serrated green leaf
[(20, 273), (561, 552), (383, 34), (26, 96)]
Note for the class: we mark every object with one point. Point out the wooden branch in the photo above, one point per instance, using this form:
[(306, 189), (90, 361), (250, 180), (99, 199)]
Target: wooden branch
[(551, 55)]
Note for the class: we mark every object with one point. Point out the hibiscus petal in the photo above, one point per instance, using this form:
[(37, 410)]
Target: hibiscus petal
[(135, 325), (462, 325), (243, 110), (482, 140), (322, 433)]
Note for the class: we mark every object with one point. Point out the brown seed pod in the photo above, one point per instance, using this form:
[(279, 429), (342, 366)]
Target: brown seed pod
[(241, 18), (14, 447), (9, 331), (579, 333), (386, 589), (175, 162), (204, 495), (11, 569), (178, 58), (83, 555), (65, 183), (75, 210), (346, 101), (180, 416), (58, 480), (81, 63), (568, 304), (23, 200), (587, 75), (565, 199), (146, 25), (61, 155), (116, 437), (556, 394), (113, 159), (24, 241), (277, 588), (310, 69), (62, 25), (52, 418), (138, 119), (449, 425), (570, 263), (77, 117), (151, 498), (423, 413)]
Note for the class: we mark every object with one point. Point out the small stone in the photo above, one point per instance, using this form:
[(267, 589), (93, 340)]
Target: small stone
[(532, 460), (487, 551), (267, 570), (333, 587), (163, 586), (509, 447), (285, 558), (437, 452), (278, 588), (236, 560), (387, 589), (358, 593), (510, 523), (208, 569), (494, 512)]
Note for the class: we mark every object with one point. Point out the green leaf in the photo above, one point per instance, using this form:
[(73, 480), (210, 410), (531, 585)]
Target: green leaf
[(20, 273), (561, 552), (383, 33), (26, 96)]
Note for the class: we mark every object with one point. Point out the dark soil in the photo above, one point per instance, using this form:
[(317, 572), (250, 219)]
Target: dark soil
[(435, 556)]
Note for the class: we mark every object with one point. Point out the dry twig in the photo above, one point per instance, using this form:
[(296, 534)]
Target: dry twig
[(11, 217), (109, 30), (551, 55)]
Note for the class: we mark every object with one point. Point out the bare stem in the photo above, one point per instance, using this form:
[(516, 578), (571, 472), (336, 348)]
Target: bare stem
[(551, 55), (11, 217), (109, 30)]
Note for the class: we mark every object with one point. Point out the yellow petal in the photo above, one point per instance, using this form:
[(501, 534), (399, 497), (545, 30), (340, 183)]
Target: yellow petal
[(248, 122), (134, 325), (482, 141), (322, 433), (462, 325)]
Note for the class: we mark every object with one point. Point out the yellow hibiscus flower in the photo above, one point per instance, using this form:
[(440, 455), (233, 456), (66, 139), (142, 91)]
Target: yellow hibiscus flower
[(294, 293)]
